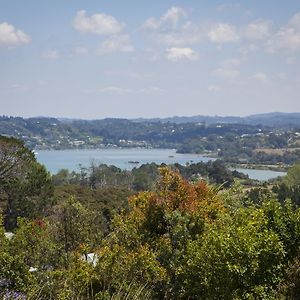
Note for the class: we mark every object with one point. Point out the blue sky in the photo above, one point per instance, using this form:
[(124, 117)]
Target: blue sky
[(97, 59)]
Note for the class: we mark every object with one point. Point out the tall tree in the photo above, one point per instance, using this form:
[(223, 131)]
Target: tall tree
[(25, 185)]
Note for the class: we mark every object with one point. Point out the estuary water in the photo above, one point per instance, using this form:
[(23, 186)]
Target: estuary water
[(262, 175), (128, 158)]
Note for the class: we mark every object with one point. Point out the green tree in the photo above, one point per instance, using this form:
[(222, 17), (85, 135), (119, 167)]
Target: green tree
[(25, 184), (242, 259), (14, 272), (289, 188), (150, 240), (73, 227), (293, 176), (195, 246), (34, 242)]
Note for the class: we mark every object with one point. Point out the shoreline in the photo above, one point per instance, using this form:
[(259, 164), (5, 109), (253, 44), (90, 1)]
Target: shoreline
[(275, 168)]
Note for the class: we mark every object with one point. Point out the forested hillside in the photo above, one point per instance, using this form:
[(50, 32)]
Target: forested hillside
[(53, 133), (157, 232), (275, 119), (235, 143)]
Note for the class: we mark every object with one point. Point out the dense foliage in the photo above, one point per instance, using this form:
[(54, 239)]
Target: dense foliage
[(176, 236), (144, 177), (261, 148), (25, 185)]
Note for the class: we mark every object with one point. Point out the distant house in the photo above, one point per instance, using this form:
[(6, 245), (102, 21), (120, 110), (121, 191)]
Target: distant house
[(9, 235), (91, 258)]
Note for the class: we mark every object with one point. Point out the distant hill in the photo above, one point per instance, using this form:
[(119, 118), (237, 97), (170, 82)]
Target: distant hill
[(274, 119), (52, 133), (63, 133), (194, 119), (277, 119)]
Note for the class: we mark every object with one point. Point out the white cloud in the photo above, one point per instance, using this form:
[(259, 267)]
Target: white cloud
[(115, 89), (290, 60), (151, 23), (175, 54), (100, 24), (249, 13), (228, 69), (151, 90), (257, 30), (245, 49), (214, 88), (171, 17), (80, 50), (287, 37), (262, 77), (116, 43), (178, 38), (226, 73), (10, 36), (41, 82), (223, 33), (281, 76), (126, 74), (87, 91), (171, 31), (227, 6), (123, 90), (188, 34), (19, 87), (230, 63), (295, 21), (50, 54)]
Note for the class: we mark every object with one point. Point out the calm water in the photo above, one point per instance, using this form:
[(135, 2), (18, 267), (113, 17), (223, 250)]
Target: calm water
[(54, 160), (262, 175)]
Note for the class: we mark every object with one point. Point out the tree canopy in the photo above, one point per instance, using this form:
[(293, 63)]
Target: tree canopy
[(25, 185), (183, 238)]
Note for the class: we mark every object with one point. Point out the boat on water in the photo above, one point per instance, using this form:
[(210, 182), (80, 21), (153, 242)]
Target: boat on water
[(133, 162), (171, 156)]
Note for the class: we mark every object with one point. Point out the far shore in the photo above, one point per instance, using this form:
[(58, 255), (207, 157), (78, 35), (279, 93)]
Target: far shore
[(278, 168)]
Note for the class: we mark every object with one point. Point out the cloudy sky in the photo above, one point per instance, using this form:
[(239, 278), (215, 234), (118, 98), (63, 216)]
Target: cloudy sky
[(139, 58)]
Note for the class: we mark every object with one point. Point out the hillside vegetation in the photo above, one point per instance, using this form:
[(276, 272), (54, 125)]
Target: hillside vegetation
[(170, 235), (232, 142)]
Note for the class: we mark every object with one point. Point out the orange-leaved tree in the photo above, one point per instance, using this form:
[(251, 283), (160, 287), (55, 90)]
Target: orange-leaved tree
[(150, 240)]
